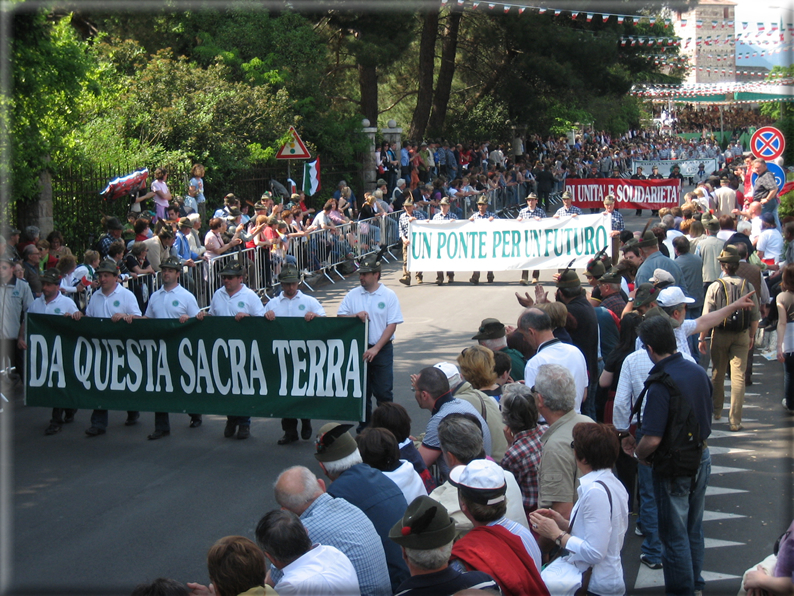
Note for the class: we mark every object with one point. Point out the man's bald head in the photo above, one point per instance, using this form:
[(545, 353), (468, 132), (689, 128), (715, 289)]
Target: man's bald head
[(754, 209), (296, 488)]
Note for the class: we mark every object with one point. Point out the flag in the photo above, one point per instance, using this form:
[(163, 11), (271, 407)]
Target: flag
[(699, 23), (521, 9), (507, 8), (683, 22), (620, 19), (541, 10), (589, 17), (604, 18), (293, 188), (311, 177)]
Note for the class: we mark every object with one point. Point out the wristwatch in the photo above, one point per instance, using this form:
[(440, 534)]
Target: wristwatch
[(558, 540), (631, 300)]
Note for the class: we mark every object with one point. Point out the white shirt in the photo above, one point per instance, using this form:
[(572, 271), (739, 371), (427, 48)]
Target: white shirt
[(756, 230), (770, 242), (408, 481), (630, 384), (684, 330), (323, 571), (171, 305), (244, 300), (294, 307), (382, 306), (60, 305), (15, 298), (557, 353), (596, 539), (120, 300)]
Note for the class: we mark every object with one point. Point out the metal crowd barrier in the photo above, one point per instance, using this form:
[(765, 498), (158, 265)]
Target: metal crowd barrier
[(322, 251)]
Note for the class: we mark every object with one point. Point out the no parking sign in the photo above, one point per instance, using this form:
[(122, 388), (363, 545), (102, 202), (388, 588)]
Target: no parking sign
[(767, 143)]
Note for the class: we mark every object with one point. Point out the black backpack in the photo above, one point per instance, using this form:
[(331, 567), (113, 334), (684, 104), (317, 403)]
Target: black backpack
[(738, 320), (681, 448)]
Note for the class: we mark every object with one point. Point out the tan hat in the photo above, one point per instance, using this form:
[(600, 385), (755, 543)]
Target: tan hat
[(444, 201), (569, 279), (729, 254), (483, 200), (490, 329)]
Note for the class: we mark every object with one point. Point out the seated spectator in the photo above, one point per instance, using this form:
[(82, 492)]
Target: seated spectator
[(462, 444), (214, 241), (593, 537), (363, 486), (477, 366), (555, 396), (337, 523), (522, 458), (236, 567), (432, 393), (378, 448), (306, 568), (490, 547), (774, 576), (425, 533), (487, 409), (395, 418)]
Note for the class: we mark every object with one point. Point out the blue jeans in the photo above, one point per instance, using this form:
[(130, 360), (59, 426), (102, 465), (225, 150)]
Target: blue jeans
[(589, 405), (680, 502), (380, 381), (648, 517)]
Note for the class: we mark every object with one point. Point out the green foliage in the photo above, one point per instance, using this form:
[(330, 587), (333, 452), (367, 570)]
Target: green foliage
[(50, 69)]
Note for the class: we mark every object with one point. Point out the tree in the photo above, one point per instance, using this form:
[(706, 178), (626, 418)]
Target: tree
[(50, 67)]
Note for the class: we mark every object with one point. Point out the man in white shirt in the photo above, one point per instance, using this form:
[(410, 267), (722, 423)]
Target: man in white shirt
[(236, 300), (117, 304), (52, 302), (293, 303), (308, 569), (535, 325), (171, 301), (379, 305)]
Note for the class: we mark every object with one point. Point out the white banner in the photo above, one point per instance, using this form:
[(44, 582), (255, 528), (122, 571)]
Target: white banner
[(505, 244), (689, 167)]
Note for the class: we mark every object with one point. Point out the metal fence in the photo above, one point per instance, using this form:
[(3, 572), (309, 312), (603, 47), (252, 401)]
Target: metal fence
[(320, 252)]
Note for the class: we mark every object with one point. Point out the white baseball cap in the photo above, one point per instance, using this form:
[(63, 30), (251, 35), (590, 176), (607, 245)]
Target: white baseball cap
[(673, 296), (481, 481)]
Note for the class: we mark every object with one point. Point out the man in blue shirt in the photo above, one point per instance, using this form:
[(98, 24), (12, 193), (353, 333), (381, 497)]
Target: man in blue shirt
[(337, 523), (679, 499), (377, 496)]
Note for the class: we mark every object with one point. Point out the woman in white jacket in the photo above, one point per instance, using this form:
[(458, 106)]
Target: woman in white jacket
[(594, 535), (379, 449)]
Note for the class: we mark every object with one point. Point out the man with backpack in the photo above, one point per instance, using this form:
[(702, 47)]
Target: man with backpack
[(675, 425), (732, 339)]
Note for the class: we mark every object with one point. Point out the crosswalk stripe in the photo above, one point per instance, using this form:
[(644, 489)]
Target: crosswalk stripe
[(726, 421), (723, 450), (714, 543), (713, 491), (726, 470), (717, 515), (721, 434), (711, 576), (649, 578)]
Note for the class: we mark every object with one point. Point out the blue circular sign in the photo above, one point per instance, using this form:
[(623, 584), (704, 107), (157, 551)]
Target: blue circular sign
[(777, 172)]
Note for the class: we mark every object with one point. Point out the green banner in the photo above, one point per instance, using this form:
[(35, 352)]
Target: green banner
[(286, 368)]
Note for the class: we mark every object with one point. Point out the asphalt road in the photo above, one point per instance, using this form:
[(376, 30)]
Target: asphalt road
[(99, 515)]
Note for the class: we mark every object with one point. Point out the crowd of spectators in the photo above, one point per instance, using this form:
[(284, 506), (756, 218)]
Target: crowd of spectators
[(708, 119), (508, 476)]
